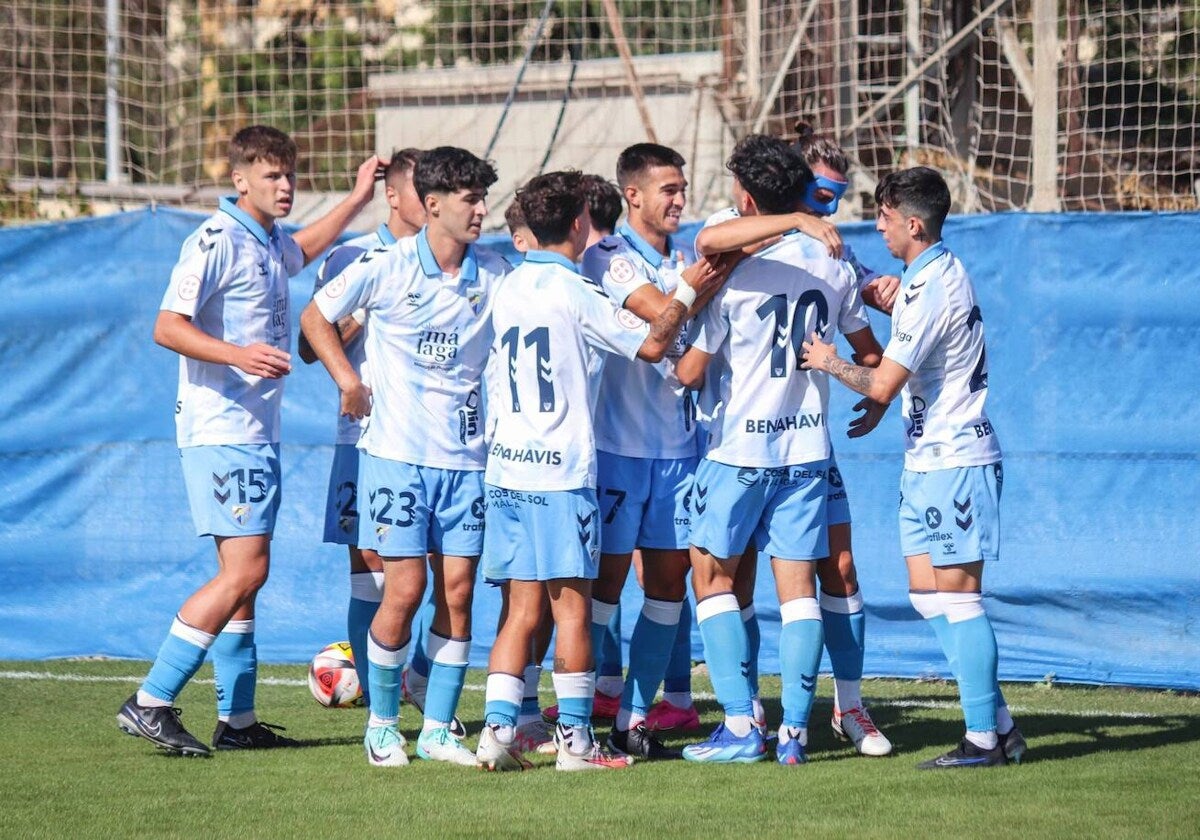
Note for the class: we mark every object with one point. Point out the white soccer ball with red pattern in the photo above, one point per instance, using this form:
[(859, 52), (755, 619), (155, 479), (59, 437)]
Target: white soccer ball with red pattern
[(332, 678)]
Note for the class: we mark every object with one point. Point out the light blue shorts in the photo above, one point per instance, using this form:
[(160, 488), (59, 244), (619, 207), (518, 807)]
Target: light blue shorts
[(837, 505), (643, 502), (341, 501), (541, 535), (233, 490), (413, 510), (783, 508), (952, 515)]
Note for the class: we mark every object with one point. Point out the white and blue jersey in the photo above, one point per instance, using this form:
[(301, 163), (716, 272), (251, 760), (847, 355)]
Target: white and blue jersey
[(643, 411), (349, 431), (937, 334), (765, 411), (232, 282), (427, 343), (551, 325)]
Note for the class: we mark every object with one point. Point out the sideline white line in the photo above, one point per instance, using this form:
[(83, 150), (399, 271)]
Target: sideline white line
[(47, 676)]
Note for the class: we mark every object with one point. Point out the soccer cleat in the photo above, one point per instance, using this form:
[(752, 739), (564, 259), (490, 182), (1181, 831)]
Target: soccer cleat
[(535, 736), (578, 750), (604, 707), (1014, 746), (791, 753), (160, 726), (385, 746), (664, 716), (493, 754), (856, 725), (438, 744), (256, 736), (966, 755), (640, 743), (723, 747)]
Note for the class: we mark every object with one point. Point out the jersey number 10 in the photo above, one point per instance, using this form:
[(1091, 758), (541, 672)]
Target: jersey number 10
[(786, 324)]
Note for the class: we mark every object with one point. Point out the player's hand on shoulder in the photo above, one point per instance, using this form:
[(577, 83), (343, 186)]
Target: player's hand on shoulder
[(706, 275), (263, 360), (356, 400), (872, 413), (881, 292), (821, 230)]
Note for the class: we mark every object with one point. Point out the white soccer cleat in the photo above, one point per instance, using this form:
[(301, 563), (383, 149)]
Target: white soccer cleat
[(578, 750), (493, 754), (385, 746), (439, 744), (535, 737), (856, 725)]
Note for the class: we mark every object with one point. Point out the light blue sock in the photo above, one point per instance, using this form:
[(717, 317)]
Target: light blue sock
[(800, 639), (235, 669), (422, 623), (366, 591), (602, 613), (753, 643), (446, 676), (384, 678), (845, 630), (609, 661), (530, 706), (179, 658), (726, 651), (678, 678), (649, 649), (969, 634)]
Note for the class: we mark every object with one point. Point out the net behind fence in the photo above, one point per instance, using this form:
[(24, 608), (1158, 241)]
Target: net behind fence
[(1022, 104)]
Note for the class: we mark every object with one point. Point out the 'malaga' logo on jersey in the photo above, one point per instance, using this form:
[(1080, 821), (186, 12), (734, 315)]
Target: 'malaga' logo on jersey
[(437, 345)]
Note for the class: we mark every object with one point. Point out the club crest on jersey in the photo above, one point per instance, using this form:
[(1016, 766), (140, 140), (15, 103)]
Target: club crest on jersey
[(621, 270), (241, 513), (628, 320), (189, 287), (335, 288), (475, 299)]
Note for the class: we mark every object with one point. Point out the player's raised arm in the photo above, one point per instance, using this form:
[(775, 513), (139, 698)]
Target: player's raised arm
[(752, 232), (317, 237)]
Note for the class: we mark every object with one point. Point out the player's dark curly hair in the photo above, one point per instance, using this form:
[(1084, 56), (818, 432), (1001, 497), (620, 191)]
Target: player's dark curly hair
[(919, 192), (603, 201), (514, 216), (816, 149), (261, 142), (551, 202), (642, 156), (448, 169), (772, 172)]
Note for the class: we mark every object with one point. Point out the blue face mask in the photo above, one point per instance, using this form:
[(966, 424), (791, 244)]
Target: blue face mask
[(824, 185)]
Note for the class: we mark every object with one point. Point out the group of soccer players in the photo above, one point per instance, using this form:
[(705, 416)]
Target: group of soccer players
[(610, 399)]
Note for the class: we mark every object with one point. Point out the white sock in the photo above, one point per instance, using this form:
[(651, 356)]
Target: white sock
[(611, 684), (739, 725), (504, 733), (984, 740), (144, 699), (796, 733), (760, 714), (847, 694), (239, 721), (678, 699), (1004, 721), (416, 685)]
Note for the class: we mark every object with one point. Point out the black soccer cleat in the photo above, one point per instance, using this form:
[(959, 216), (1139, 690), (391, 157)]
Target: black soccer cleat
[(1014, 746), (256, 736), (966, 755), (160, 726), (640, 743)]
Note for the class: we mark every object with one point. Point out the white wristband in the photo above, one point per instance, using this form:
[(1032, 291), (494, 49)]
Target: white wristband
[(359, 316), (685, 294)]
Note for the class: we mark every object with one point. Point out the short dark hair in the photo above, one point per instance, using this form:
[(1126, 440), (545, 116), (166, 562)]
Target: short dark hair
[(919, 192), (402, 162), (514, 217), (603, 202), (642, 156), (551, 203), (816, 149), (448, 169), (261, 142), (772, 172)]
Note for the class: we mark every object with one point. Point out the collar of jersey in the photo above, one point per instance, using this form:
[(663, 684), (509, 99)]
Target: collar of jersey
[(385, 235), (551, 257), (229, 207), (923, 259), (649, 254), (468, 273)]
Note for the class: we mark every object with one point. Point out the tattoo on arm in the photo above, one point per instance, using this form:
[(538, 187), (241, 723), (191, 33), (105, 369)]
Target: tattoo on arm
[(666, 325), (852, 376)]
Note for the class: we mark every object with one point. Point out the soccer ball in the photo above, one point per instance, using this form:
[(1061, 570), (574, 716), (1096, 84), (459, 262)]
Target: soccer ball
[(332, 678)]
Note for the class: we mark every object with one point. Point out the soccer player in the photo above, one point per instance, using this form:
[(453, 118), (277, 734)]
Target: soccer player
[(428, 300), (936, 360), (841, 597), (645, 441), (405, 217), (766, 471), (604, 207), (225, 313), (543, 521)]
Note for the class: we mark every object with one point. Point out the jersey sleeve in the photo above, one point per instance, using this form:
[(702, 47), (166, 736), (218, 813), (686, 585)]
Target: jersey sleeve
[(353, 287), (710, 326), (852, 316), (613, 268), (917, 330), (204, 260), (293, 255), (335, 263), (606, 326)]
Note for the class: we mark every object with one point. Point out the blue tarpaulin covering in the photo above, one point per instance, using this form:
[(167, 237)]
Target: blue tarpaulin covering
[(1093, 337)]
